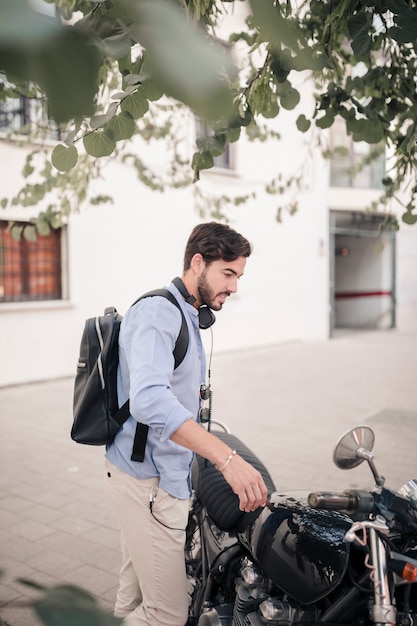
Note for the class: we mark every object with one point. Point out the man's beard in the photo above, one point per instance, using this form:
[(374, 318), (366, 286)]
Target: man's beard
[(206, 294)]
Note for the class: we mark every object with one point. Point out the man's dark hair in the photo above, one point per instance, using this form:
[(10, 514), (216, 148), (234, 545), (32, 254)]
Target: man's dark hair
[(215, 241)]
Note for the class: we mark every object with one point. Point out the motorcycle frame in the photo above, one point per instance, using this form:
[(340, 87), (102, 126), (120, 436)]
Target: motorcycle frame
[(384, 612)]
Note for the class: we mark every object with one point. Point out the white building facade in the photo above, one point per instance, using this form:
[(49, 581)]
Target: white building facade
[(327, 267)]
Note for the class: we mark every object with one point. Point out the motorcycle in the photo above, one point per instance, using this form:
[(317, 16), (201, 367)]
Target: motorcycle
[(305, 558)]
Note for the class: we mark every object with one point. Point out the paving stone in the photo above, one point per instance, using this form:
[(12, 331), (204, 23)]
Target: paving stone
[(289, 402)]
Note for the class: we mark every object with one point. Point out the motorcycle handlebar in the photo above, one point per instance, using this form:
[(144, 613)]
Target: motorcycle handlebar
[(350, 501)]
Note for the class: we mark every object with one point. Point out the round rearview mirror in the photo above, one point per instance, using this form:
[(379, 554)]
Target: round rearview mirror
[(346, 455)]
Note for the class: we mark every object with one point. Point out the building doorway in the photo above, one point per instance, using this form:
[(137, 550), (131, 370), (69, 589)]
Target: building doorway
[(362, 272)]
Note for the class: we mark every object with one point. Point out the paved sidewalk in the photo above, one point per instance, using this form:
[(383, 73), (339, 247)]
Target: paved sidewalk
[(289, 403)]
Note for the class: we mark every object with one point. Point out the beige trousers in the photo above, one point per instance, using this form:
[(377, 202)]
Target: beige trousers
[(152, 581)]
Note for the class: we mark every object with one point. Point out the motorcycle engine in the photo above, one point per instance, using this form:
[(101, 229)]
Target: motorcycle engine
[(255, 606)]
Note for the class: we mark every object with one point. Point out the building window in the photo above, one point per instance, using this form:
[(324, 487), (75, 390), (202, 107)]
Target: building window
[(222, 161), (351, 165), (30, 270), (25, 115)]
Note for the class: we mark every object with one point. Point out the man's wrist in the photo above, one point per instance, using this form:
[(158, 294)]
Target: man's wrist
[(228, 460)]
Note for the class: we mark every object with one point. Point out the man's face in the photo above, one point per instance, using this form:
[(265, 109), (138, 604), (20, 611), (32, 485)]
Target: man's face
[(218, 280)]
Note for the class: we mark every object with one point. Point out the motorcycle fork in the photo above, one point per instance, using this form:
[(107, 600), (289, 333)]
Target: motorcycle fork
[(383, 611)]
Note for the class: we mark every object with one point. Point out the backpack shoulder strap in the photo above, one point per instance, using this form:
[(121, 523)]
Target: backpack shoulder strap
[(180, 349), (181, 344)]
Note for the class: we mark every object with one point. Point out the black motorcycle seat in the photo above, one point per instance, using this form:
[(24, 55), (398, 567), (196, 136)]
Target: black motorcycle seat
[(215, 493)]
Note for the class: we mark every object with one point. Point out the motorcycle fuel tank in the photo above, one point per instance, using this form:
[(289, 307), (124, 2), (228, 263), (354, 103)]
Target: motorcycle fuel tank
[(301, 549)]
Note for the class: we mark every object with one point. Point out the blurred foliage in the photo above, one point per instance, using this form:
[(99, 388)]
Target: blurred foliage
[(104, 68), (66, 605)]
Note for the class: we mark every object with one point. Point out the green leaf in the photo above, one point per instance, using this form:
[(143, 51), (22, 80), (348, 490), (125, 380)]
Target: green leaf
[(56, 221), (370, 131), (16, 232), (289, 97), (359, 26), (98, 121), (66, 69), (65, 605), (29, 232), (327, 120), (134, 79), (214, 144), (64, 158), (183, 62), (233, 134), (274, 27), (202, 161), (303, 124), (99, 144), (153, 91), (116, 46), (43, 227), (271, 109), (409, 218), (241, 117), (136, 104), (397, 6), (405, 19), (123, 126), (281, 64), (405, 32)]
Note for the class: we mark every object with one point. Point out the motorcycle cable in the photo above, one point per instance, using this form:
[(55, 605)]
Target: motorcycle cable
[(359, 584), (365, 578)]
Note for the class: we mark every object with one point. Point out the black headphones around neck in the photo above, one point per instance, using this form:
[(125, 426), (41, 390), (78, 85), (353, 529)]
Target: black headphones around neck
[(206, 317)]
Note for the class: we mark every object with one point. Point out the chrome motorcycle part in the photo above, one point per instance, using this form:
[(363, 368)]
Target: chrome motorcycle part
[(384, 612), (353, 448), (275, 611), (360, 439), (250, 575), (378, 524), (216, 616), (409, 490)]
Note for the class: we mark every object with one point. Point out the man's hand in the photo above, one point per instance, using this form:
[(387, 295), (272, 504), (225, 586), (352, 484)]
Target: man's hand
[(246, 482)]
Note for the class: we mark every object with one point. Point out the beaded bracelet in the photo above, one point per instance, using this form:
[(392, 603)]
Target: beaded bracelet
[(229, 458)]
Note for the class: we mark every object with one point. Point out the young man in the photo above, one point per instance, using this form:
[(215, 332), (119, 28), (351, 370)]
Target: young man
[(151, 498)]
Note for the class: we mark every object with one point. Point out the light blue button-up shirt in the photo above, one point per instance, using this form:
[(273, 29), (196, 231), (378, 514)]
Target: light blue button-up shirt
[(159, 396)]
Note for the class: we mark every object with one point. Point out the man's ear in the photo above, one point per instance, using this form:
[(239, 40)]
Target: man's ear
[(197, 263)]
